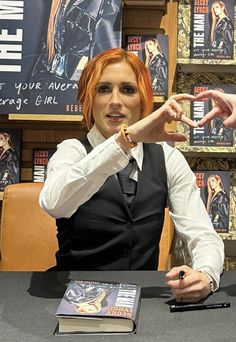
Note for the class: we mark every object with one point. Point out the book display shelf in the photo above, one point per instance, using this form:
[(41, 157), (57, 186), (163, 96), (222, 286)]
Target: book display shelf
[(172, 18), (202, 64), (40, 130)]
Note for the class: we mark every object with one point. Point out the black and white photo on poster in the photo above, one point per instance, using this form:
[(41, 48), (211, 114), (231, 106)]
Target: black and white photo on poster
[(212, 29), (214, 133), (215, 193), (10, 151), (153, 51), (44, 47)]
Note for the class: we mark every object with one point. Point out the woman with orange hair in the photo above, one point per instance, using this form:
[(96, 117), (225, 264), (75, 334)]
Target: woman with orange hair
[(156, 62), (222, 29), (77, 31), (9, 161), (217, 203), (110, 220)]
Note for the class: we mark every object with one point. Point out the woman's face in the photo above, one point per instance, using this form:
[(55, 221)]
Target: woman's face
[(3, 140), (217, 9), (117, 99), (151, 46), (213, 182)]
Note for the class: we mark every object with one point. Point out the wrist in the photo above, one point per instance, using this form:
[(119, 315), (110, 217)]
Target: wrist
[(212, 285), (122, 143), (126, 135)]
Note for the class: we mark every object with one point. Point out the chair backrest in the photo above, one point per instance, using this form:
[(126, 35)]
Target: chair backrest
[(165, 259), (28, 234)]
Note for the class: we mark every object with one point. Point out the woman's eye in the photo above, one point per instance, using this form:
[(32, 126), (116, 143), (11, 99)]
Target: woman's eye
[(129, 90), (102, 88)]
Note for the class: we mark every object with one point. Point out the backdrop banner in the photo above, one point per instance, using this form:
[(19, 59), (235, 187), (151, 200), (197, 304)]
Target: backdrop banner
[(44, 45)]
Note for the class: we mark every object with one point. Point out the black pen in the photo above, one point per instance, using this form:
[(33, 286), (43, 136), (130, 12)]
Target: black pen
[(181, 274), (191, 307)]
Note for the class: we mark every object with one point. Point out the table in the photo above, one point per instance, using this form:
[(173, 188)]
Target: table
[(28, 302)]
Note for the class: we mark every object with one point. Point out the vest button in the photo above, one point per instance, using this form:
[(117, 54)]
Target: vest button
[(129, 225)]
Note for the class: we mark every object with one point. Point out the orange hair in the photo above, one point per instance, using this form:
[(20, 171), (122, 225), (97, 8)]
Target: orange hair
[(222, 5), (51, 28), (92, 72), (218, 178)]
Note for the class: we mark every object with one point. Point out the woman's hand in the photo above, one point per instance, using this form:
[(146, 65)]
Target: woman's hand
[(152, 128), (193, 287), (225, 106)]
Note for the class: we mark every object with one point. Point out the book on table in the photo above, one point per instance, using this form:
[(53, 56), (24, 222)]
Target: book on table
[(94, 307)]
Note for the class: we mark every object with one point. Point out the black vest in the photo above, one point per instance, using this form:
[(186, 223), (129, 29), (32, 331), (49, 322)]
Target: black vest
[(105, 234)]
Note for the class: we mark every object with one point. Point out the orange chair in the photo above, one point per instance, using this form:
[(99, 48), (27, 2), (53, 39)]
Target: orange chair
[(28, 234), (165, 245)]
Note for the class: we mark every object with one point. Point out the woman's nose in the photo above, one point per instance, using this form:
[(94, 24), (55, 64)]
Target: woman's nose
[(115, 98)]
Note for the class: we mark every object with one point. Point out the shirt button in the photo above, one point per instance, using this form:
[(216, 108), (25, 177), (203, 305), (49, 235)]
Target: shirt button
[(129, 225)]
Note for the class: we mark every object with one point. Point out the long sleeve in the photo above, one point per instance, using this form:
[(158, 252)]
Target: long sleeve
[(73, 176), (191, 219)]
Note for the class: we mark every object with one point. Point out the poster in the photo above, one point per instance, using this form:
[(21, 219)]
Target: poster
[(212, 29), (44, 45), (153, 51)]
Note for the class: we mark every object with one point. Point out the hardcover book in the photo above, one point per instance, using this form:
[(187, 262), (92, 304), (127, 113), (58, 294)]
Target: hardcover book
[(215, 193), (213, 137), (153, 51), (10, 152), (206, 32), (212, 29), (214, 133), (93, 307), (40, 161), (225, 168)]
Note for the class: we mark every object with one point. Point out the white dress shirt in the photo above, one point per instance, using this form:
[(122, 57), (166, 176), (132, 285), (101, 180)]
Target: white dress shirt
[(73, 176)]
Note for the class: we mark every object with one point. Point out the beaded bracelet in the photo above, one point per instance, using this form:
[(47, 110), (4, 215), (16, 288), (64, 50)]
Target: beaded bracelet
[(211, 284), (125, 134)]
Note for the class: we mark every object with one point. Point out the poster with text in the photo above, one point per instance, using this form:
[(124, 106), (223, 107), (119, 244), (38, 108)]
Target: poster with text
[(44, 45), (153, 51), (214, 133), (10, 154), (212, 29), (215, 193)]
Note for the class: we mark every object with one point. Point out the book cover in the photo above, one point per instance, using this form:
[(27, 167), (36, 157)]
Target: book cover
[(99, 307), (41, 157), (212, 29), (153, 51), (213, 137), (201, 39), (48, 44), (215, 193), (222, 166), (214, 133), (10, 152)]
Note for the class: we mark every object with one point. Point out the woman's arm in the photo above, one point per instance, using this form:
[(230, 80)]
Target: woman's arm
[(193, 224), (73, 176)]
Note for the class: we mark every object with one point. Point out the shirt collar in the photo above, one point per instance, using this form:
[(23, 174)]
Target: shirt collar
[(95, 138)]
